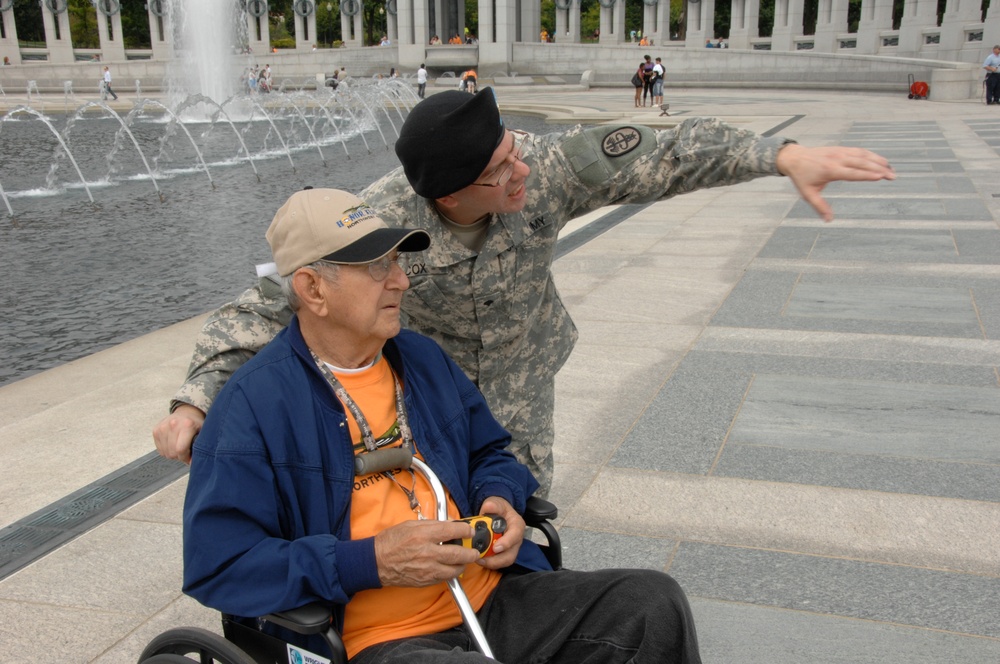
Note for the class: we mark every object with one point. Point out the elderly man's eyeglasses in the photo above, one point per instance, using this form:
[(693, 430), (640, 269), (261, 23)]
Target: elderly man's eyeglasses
[(503, 172), (378, 268)]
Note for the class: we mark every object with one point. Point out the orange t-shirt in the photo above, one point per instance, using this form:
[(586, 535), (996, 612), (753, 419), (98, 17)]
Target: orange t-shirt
[(383, 614)]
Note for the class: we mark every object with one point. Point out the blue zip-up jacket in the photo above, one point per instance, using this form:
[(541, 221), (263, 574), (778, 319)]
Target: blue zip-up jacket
[(267, 512)]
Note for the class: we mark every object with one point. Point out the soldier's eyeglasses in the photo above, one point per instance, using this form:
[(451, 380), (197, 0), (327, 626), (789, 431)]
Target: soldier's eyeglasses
[(506, 169)]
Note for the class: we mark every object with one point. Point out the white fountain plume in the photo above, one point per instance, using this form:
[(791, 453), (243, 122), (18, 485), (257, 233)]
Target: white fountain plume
[(208, 39)]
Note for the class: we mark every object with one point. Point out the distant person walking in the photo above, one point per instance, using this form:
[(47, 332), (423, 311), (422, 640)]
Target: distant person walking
[(992, 67), (107, 83), (421, 81)]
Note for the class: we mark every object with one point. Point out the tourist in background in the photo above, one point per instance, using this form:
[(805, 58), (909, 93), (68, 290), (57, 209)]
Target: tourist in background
[(637, 78), (992, 67), (647, 80), (107, 83), (658, 82), (421, 81), (469, 81)]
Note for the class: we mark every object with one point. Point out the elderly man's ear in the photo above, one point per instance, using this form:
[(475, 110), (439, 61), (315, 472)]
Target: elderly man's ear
[(308, 285)]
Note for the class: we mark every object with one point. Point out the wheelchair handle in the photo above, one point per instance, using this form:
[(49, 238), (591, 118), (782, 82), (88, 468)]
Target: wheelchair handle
[(380, 461)]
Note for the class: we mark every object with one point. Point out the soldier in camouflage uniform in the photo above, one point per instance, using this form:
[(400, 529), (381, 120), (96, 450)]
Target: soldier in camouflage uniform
[(492, 303)]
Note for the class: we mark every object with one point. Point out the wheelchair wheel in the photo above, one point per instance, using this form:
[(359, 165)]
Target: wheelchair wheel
[(172, 646)]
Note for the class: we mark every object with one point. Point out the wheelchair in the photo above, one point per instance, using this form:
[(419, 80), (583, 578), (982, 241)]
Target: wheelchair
[(244, 645)]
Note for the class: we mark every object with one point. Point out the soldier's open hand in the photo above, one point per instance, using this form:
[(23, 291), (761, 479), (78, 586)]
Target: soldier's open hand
[(811, 169)]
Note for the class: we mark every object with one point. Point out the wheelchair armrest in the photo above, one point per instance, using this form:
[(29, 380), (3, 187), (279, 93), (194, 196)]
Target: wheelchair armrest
[(309, 619), (538, 509), (539, 514)]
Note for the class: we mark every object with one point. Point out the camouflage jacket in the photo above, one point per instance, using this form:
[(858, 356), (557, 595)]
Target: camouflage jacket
[(497, 313)]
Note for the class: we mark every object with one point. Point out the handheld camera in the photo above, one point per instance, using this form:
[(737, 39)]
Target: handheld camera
[(489, 528)]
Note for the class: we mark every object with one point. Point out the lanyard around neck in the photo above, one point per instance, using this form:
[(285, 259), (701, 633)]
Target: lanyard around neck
[(366, 431)]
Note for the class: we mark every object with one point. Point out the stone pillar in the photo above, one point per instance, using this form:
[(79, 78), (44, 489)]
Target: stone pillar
[(404, 20), (8, 42), (876, 16), (460, 18), (531, 21), (743, 28), (258, 34), (700, 23), (612, 22), (567, 22), (663, 22), (392, 21), (957, 15), (495, 54), (109, 30), (305, 26), (160, 33), (57, 36), (787, 24), (831, 20), (413, 21), (352, 27), (917, 15), (991, 28), (486, 28), (358, 21), (574, 22), (439, 22), (563, 10), (649, 23)]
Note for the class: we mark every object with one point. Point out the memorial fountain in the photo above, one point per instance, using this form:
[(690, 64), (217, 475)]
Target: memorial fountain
[(115, 223)]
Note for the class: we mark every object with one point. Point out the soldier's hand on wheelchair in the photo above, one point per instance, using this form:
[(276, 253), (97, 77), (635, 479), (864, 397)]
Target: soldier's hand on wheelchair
[(411, 553)]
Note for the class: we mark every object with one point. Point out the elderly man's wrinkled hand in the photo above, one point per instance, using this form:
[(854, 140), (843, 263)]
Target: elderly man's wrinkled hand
[(174, 434), (412, 554), (811, 169), (504, 549)]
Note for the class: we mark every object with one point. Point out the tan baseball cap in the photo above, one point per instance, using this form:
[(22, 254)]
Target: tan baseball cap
[(334, 225)]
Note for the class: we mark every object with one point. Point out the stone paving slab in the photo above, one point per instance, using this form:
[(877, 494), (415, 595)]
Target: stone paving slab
[(902, 595), (731, 633)]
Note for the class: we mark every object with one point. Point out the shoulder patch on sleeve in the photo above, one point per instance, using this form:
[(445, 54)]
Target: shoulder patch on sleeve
[(598, 154), (621, 141)]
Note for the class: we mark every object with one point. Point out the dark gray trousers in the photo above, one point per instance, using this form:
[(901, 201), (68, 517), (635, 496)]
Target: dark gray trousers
[(566, 617)]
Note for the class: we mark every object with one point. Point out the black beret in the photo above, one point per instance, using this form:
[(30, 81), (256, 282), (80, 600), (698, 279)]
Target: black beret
[(448, 139)]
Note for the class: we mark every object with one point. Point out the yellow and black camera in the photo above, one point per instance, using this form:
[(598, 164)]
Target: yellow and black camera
[(489, 528)]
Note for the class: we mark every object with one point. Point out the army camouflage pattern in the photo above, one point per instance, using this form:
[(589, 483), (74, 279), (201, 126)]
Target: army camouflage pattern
[(497, 313)]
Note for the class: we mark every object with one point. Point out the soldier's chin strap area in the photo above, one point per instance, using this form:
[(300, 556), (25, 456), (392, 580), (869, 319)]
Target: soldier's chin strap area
[(394, 458)]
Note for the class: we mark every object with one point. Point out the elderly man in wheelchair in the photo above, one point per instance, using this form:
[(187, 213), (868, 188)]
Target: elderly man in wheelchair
[(303, 491)]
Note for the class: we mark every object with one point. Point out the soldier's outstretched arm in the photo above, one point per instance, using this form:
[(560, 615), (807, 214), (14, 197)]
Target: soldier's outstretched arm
[(811, 169), (231, 335)]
